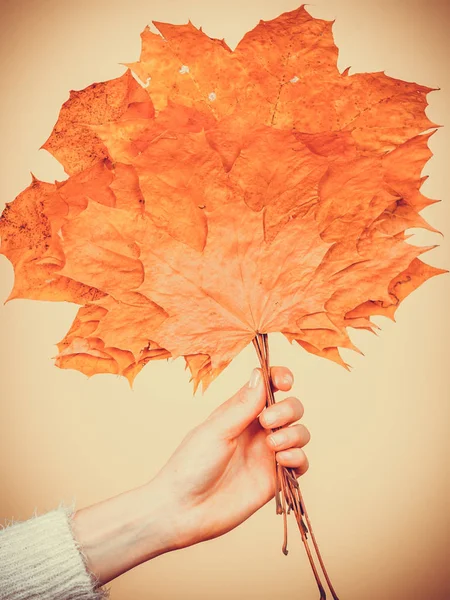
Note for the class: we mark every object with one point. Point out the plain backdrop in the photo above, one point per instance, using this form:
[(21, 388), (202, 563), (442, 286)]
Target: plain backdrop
[(378, 486)]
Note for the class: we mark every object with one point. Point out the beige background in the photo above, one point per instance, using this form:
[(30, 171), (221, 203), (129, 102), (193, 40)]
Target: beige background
[(378, 485)]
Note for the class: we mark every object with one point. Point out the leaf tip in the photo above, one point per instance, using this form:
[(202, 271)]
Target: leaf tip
[(13, 295)]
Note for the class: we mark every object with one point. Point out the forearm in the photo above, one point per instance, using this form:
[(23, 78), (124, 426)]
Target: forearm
[(124, 531)]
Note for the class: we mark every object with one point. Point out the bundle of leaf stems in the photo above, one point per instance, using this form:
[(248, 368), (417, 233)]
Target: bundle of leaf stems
[(288, 496)]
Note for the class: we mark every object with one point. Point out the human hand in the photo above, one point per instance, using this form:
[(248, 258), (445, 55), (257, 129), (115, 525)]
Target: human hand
[(223, 471)]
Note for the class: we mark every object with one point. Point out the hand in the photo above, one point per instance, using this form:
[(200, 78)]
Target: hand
[(222, 472), (224, 469)]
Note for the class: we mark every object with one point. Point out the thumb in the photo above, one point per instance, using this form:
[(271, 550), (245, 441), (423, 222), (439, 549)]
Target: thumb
[(233, 416)]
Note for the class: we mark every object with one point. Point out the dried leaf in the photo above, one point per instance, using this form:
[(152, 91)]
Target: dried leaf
[(238, 192)]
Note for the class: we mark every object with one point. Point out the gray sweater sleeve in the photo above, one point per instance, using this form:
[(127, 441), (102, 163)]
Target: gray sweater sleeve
[(40, 559)]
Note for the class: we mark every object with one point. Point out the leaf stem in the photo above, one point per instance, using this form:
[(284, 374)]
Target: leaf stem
[(286, 483)]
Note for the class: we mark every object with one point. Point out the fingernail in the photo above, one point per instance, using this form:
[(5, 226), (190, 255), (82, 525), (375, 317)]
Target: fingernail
[(255, 378), (287, 379), (270, 418), (277, 439)]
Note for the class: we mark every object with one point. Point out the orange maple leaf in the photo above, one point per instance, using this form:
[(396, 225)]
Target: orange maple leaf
[(241, 192), (232, 194)]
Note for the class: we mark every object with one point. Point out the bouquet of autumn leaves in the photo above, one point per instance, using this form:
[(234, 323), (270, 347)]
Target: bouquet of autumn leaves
[(214, 196)]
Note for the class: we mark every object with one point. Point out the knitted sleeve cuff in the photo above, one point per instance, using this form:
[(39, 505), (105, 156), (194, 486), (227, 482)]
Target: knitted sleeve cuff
[(40, 558)]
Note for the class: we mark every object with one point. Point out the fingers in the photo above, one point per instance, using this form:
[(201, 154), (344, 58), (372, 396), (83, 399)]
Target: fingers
[(282, 413), (294, 458), (295, 436), (287, 442), (282, 378), (232, 417), (235, 415)]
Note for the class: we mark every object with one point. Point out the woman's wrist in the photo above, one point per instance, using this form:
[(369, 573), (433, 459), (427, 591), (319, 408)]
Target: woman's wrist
[(122, 532)]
